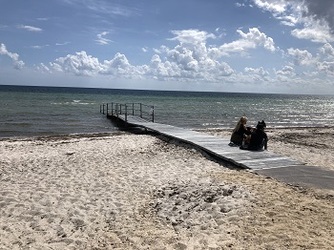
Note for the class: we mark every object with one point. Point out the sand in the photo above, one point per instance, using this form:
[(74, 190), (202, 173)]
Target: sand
[(136, 191)]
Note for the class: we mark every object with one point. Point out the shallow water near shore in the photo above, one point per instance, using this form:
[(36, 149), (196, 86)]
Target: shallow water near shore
[(34, 111)]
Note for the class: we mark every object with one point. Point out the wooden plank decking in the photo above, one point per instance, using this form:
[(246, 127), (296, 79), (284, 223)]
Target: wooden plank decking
[(255, 160), (263, 162)]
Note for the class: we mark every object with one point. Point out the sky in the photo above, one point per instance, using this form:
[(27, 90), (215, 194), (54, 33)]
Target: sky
[(261, 46)]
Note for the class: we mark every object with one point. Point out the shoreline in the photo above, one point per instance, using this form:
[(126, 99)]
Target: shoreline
[(62, 136), (135, 191), (268, 128), (310, 145), (203, 130)]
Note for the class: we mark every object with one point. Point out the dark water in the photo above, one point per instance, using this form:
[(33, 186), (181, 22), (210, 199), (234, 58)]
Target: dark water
[(30, 111)]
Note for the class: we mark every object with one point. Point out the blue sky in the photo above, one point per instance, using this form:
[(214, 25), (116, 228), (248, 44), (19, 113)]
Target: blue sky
[(266, 46)]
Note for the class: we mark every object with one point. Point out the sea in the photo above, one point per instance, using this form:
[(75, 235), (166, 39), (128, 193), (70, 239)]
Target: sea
[(42, 111)]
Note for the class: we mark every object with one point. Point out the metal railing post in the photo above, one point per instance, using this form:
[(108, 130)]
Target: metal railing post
[(152, 113), (114, 109), (126, 112)]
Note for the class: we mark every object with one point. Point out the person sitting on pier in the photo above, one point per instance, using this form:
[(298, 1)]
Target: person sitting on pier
[(258, 139), (240, 132)]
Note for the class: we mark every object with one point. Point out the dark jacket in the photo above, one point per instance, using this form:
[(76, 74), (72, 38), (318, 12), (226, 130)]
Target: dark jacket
[(258, 140), (237, 136)]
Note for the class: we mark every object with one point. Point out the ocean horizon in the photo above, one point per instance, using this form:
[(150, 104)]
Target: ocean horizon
[(36, 110)]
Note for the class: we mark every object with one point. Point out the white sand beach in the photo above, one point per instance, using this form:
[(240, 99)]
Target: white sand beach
[(135, 191)]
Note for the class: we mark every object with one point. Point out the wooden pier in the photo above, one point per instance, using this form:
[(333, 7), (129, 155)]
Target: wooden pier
[(264, 162)]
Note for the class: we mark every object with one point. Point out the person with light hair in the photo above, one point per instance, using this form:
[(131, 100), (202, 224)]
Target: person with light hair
[(240, 132)]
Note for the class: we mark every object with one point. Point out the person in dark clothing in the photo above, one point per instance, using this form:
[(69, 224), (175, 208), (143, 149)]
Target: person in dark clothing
[(239, 132), (259, 138)]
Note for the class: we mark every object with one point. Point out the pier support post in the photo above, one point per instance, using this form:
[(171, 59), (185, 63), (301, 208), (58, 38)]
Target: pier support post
[(152, 113), (126, 112)]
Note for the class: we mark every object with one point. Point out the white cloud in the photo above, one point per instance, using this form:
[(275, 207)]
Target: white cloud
[(288, 20), (192, 60), (251, 40), (327, 50), (286, 74), (286, 71), (240, 4), (40, 46), (289, 12), (319, 10), (78, 64), (315, 31), (325, 63), (315, 17), (326, 67), (163, 70), (191, 36), (42, 19), (101, 38), (82, 64), (43, 68), (62, 44), (18, 64), (301, 57), (188, 60), (256, 74), (258, 71), (105, 7), (120, 66), (275, 6), (30, 28), (4, 51), (320, 65)]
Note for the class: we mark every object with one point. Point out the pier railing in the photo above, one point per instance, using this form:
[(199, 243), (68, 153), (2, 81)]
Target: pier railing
[(114, 109)]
